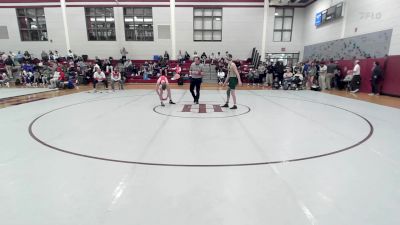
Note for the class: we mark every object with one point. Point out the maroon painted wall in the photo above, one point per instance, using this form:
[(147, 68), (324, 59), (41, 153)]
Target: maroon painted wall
[(391, 82)]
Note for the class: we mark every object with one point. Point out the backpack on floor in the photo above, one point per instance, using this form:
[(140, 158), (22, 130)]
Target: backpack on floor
[(180, 81), (70, 84), (17, 82), (315, 88)]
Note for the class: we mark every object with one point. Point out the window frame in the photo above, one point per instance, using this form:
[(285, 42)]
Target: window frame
[(202, 30), (96, 29), (29, 30), (282, 30), (134, 23), (294, 57)]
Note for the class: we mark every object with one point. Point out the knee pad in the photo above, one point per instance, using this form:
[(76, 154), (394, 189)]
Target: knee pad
[(228, 92)]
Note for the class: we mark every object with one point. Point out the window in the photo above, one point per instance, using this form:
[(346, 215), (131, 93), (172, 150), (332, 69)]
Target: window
[(286, 58), (283, 24), (138, 24), (207, 24), (100, 24), (32, 24)]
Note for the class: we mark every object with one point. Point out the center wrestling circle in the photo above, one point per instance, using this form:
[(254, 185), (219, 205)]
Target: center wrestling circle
[(204, 110)]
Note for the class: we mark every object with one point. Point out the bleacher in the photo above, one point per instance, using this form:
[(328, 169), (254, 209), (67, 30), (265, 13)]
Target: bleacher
[(243, 69)]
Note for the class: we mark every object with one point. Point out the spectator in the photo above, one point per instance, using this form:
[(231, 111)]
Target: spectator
[(4, 80), (70, 55), (219, 57), (12, 54), (261, 71), (356, 80), (45, 56), (212, 58), (297, 68), (54, 82), (51, 55), (178, 71), (45, 77), (4, 56), (166, 56), (99, 76), (270, 74), (221, 77), (163, 67), (56, 55), (251, 77), (98, 61), (124, 53), (288, 75), (375, 78), (322, 76), (203, 58), (279, 70), (187, 56), (128, 67), (109, 67), (305, 68), (19, 57), (180, 57), (9, 66), (27, 57), (311, 74), (195, 55), (146, 73), (330, 73), (298, 79), (116, 78)]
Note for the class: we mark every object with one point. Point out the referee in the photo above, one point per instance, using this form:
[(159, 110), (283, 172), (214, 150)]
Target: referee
[(196, 73)]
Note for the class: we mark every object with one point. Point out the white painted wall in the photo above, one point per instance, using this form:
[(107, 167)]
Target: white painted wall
[(137, 49), (355, 17), (296, 45), (328, 32), (241, 32), (54, 28), (390, 19)]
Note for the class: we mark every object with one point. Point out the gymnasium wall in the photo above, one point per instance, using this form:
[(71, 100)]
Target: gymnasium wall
[(55, 31), (296, 45), (241, 29), (241, 32), (360, 17), (137, 49), (371, 45)]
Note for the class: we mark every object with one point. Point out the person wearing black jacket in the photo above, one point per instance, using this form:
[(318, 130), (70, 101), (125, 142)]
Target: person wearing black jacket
[(279, 71), (270, 74), (375, 78), (9, 66)]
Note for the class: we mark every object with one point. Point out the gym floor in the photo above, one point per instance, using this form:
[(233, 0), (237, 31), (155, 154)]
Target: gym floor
[(283, 158)]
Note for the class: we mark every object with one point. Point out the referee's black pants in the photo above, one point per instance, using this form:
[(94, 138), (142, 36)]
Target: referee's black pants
[(195, 83)]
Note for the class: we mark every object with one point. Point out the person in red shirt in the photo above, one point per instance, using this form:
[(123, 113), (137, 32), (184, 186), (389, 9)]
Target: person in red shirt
[(178, 71), (62, 75), (116, 78), (161, 86)]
